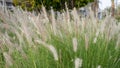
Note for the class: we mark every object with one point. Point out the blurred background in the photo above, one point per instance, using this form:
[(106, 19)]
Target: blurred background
[(99, 7)]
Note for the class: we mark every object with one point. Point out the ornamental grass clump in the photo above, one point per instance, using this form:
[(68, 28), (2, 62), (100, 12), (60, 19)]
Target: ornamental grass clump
[(58, 40)]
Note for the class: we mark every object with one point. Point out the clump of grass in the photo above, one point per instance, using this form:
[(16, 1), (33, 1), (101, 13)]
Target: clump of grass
[(62, 40)]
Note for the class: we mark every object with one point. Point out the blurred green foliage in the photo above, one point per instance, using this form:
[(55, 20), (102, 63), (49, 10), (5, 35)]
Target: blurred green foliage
[(25, 4), (56, 4)]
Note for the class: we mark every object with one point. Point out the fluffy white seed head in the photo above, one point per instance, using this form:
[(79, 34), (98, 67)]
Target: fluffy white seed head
[(50, 47), (78, 63), (98, 66), (95, 40), (75, 44), (86, 41), (54, 51)]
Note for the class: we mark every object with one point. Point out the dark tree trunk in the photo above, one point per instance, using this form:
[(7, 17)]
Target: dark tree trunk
[(71, 4), (113, 8)]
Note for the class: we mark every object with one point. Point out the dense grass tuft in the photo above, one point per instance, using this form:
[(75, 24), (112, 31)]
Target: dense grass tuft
[(61, 40)]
